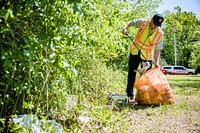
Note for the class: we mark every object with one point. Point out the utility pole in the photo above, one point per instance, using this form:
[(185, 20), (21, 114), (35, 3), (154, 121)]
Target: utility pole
[(174, 45)]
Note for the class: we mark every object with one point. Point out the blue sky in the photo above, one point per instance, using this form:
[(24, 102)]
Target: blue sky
[(186, 5)]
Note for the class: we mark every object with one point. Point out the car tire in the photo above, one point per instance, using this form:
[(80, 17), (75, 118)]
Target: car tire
[(190, 73)]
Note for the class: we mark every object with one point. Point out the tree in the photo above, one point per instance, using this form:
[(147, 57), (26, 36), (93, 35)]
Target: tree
[(184, 24), (195, 55)]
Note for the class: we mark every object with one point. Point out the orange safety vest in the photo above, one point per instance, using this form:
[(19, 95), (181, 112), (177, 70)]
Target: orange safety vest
[(145, 43)]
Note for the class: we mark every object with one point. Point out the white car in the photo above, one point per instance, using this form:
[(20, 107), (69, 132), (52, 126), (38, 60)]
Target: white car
[(177, 70)]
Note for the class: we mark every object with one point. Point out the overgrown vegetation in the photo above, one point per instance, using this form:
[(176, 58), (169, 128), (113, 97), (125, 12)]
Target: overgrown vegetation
[(54, 49), (185, 27)]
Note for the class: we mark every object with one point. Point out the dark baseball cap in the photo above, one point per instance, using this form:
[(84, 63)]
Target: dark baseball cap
[(158, 19)]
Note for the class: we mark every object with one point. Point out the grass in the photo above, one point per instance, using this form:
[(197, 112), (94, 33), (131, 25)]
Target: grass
[(187, 85), (183, 116), (94, 113)]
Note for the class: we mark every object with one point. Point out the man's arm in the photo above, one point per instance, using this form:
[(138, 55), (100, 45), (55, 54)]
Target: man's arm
[(124, 31), (157, 57), (157, 52), (135, 23)]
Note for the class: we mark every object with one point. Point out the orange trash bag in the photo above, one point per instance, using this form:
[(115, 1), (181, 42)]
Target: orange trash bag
[(153, 88)]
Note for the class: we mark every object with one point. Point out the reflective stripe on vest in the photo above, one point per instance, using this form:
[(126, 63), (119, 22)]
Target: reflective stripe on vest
[(146, 47), (158, 36), (142, 28)]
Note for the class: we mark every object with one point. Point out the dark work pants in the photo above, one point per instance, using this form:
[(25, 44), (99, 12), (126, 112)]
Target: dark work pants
[(134, 61)]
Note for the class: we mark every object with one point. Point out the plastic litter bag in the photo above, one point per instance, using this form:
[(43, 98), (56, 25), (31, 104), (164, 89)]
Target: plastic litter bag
[(153, 88), (31, 124)]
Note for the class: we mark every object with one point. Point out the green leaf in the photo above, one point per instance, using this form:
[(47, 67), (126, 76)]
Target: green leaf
[(26, 40), (43, 35)]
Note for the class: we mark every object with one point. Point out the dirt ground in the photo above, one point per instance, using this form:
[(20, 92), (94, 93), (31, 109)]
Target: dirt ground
[(182, 117)]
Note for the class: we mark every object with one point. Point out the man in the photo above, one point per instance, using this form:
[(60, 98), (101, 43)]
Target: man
[(149, 38)]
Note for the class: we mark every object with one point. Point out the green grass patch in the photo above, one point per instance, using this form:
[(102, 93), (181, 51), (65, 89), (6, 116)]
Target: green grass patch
[(185, 84)]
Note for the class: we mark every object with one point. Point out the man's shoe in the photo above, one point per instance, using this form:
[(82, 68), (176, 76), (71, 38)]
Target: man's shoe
[(131, 100)]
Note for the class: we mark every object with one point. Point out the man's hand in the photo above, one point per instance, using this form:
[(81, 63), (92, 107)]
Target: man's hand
[(157, 64), (124, 31)]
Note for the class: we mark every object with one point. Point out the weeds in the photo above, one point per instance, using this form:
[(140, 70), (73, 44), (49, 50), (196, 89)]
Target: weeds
[(183, 116)]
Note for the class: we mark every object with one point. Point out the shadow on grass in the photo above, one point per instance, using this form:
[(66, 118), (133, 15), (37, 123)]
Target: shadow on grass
[(140, 106), (121, 107), (192, 81), (185, 84)]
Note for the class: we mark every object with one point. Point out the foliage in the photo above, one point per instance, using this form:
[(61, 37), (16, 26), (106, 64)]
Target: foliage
[(53, 48), (195, 58), (185, 26)]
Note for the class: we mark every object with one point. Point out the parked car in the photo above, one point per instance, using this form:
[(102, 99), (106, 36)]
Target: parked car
[(177, 70)]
